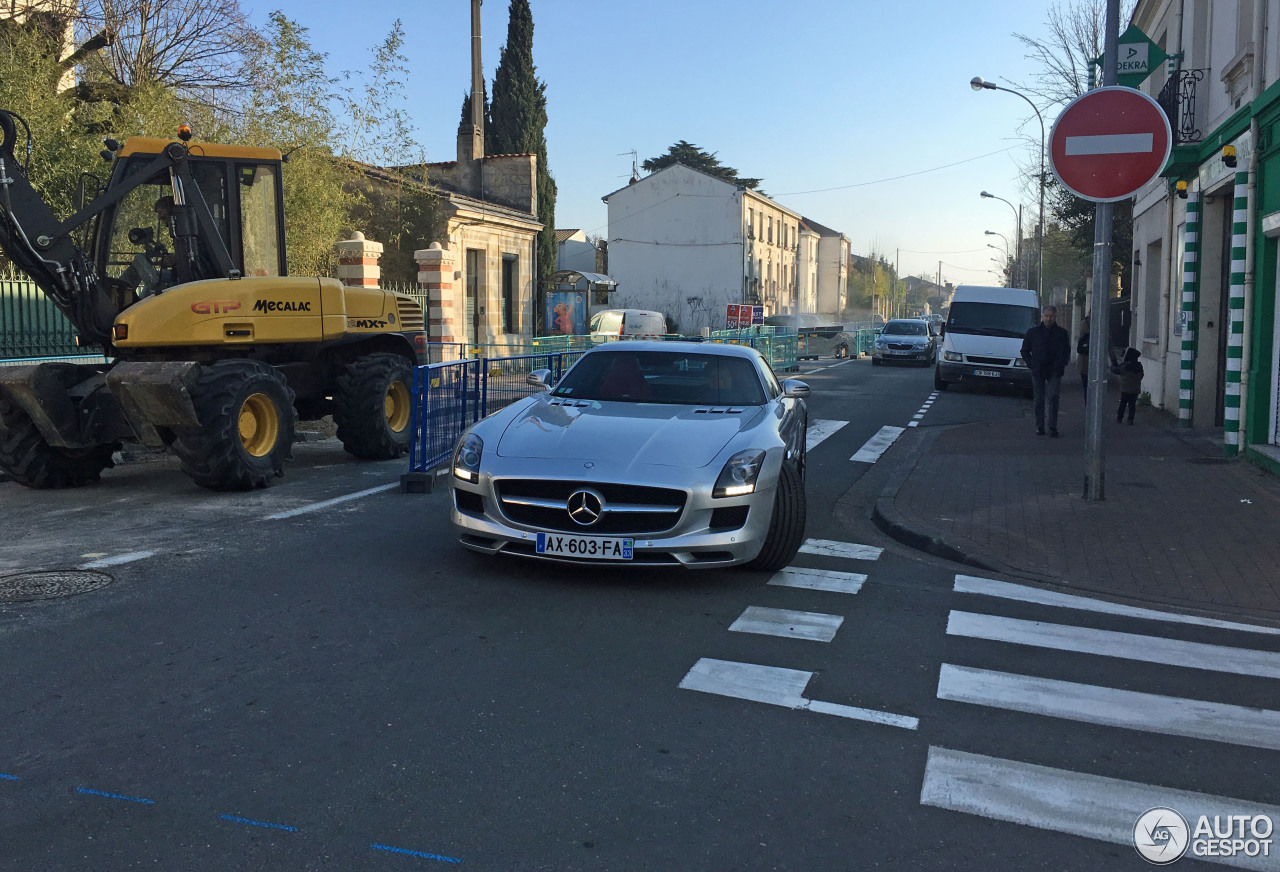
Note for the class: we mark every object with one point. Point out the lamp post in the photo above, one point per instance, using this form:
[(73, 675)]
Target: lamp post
[(978, 84), (1017, 214)]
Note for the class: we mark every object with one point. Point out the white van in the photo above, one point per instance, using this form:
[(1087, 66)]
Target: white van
[(627, 324), (982, 337)]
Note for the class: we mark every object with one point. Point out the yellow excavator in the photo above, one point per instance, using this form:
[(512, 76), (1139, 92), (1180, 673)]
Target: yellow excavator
[(176, 270)]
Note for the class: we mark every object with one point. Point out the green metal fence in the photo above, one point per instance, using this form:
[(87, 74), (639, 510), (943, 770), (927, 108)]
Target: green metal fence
[(30, 325)]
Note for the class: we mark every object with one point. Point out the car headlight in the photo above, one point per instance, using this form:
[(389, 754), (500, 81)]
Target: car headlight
[(466, 458), (880, 343), (952, 355), (1018, 361), (739, 474)]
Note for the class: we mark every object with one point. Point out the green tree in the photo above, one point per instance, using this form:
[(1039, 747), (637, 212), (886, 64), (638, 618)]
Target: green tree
[(691, 156), (519, 119), (290, 110), (485, 116)]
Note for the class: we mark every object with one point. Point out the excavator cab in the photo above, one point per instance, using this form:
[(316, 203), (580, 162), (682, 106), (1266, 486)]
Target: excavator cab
[(218, 212)]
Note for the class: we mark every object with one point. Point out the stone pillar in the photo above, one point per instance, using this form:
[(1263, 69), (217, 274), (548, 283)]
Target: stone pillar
[(435, 277), (358, 261)]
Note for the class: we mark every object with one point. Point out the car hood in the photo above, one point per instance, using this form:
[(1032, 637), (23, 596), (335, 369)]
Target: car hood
[(624, 433), (905, 339), (985, 346)]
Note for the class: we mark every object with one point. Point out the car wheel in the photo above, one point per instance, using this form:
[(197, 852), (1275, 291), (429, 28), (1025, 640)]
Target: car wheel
[(786, 524), (875, 361), (938, 383), (802, 463)]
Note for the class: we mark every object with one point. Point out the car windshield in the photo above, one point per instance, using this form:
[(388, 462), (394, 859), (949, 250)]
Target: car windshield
[(991, 319), (905, 328), (672, 377)]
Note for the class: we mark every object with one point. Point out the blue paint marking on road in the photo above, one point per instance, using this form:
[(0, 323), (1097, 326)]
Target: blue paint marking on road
[(240, 820), (4, 777), (415, 853), (115, 796)]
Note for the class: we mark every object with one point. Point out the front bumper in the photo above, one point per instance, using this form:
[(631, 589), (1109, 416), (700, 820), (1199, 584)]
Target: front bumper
[(889, 355), (968, 373), (691, 542)]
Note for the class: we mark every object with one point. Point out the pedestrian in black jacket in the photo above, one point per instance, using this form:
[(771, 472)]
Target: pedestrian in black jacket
[(1130, 383), (1047, 350)]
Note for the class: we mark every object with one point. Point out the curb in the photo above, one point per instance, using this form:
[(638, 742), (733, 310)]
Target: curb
[(885, 517)]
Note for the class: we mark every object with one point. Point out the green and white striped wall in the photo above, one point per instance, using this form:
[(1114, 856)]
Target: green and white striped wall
[(1190, 264), (1235, 314)]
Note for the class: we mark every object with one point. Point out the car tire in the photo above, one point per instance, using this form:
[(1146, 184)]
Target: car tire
[(938, 383), (786, 523), (875, 361)]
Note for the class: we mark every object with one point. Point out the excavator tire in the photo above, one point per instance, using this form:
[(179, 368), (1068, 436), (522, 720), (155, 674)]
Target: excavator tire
[(33, 462), (372, 406), (247, 422)]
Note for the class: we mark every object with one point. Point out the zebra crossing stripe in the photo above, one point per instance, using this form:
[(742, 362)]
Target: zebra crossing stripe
[(1131, 710), (809, 626), (819, 579), (1086, 805), (777, 686), (832, 548), (1108, 643), (878, 444), (1006, 590), (820, 429)]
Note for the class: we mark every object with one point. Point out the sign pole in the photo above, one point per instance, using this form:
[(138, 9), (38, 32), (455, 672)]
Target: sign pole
[(1100, 322)]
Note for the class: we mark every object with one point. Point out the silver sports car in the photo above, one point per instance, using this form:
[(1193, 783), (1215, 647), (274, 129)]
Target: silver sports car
[(644, 453)]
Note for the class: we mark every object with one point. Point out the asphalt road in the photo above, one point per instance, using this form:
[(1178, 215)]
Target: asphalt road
[(345, 688)]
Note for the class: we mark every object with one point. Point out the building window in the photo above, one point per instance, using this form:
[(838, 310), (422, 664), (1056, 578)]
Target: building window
[(770, 230), (751, 223), (510, 263), (475, 305)]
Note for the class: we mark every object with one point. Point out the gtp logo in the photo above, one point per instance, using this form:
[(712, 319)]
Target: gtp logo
[(215, 307)]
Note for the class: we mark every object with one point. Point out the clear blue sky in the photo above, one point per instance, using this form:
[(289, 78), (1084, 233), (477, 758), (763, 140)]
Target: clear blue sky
[(808, 96)]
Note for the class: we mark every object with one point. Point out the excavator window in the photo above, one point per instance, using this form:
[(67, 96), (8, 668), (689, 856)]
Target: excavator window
[(259, 220)]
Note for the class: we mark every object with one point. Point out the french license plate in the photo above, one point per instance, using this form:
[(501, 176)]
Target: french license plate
[(892, 351), (589, 547), (987, 372)]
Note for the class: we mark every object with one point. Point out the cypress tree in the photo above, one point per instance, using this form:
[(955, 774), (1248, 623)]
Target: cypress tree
[(518, 121)]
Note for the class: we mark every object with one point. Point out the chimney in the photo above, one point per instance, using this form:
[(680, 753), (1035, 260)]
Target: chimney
[(471, 136)]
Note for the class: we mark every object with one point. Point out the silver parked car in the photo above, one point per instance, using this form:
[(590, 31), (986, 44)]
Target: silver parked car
[(904, 339), (645, 453)]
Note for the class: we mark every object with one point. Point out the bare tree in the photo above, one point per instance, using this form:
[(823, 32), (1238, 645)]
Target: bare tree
[(196, 47), (1064, 56)]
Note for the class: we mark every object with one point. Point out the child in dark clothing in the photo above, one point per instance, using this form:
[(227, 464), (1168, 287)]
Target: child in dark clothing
[(1130, 383)]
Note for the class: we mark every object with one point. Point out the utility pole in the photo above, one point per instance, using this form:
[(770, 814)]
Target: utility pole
[(1099, 339)]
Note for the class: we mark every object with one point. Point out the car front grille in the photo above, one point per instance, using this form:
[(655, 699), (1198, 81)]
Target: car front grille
[(994, 361), (629, 509), (900, 346)]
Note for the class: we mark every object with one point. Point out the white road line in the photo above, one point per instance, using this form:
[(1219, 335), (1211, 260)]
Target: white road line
[(1151, 713), (849, 550), (914, 424), (809, 626), (1068, 802), (861, 714), (917, 416), (777, 686), (1108, 643), (819, 579), (820, 429), (1111, 143), (878, 444), (315, 507), (1006, 590), (104, 562)]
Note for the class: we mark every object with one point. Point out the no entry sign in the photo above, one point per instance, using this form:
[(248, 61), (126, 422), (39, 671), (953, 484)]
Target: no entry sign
[(1108, 143)]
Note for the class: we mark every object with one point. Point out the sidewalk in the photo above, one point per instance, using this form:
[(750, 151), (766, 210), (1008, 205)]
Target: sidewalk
[(1181, 526)]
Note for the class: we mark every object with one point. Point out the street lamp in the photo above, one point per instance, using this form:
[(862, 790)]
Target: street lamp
[(978, 84), (1017, 214)]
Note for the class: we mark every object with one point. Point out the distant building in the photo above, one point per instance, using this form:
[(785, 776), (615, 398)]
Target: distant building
[(832, 270), (687, 244), (575, 252)]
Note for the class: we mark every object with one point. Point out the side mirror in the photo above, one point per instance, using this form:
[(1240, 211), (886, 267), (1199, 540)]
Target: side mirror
[(794, 389), (539, 378), (942, 329)]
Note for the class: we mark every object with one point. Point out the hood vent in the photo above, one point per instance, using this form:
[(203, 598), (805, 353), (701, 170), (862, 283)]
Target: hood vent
[(718, 410)]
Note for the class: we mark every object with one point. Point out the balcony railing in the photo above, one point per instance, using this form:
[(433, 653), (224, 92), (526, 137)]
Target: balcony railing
[(1178, 99)]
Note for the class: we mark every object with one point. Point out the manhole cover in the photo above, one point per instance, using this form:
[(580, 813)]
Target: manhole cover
[(1210, 460), (28, 586)]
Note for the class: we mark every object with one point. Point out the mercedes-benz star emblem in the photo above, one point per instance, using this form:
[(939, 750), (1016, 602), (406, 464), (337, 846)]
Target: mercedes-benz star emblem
[(585, 507)]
